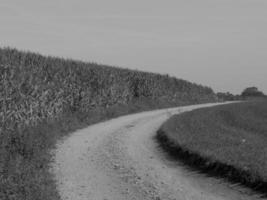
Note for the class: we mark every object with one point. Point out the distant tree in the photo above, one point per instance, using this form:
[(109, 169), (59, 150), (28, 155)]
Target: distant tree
[(227, 96), (252, 92)]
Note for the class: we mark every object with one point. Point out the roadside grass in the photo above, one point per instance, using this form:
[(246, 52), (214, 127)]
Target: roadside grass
[(228, 141)]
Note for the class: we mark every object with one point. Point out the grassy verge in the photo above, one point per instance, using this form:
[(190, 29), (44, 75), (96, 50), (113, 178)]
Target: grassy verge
[(227, 141)]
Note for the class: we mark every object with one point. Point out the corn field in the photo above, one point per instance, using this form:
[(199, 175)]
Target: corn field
[(34, 88)]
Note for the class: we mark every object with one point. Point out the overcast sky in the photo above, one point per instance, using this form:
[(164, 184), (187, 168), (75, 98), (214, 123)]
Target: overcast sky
[(219, 43)]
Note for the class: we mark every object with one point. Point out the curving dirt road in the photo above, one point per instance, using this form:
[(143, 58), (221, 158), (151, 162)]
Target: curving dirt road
[(120, 160)]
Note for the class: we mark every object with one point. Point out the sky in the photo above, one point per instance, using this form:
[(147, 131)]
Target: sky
[(218, 43)]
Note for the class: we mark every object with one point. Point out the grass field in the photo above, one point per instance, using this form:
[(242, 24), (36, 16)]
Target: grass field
[(229, 141)]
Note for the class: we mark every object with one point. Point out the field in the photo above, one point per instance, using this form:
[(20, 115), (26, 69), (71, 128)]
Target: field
[(43, 99), (229, 141)]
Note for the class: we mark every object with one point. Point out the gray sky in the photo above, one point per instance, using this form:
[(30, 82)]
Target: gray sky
[(219, 43)]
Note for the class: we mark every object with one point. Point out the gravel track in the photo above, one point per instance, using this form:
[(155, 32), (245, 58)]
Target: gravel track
[(120, 160)]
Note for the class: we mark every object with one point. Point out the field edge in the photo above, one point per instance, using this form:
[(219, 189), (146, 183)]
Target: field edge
[(207, 166)]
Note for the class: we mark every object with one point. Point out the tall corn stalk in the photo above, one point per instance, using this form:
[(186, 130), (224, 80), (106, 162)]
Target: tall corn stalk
[(4, 99)]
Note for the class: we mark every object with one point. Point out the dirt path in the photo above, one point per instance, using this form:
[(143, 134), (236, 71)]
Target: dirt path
[(120, 160)]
